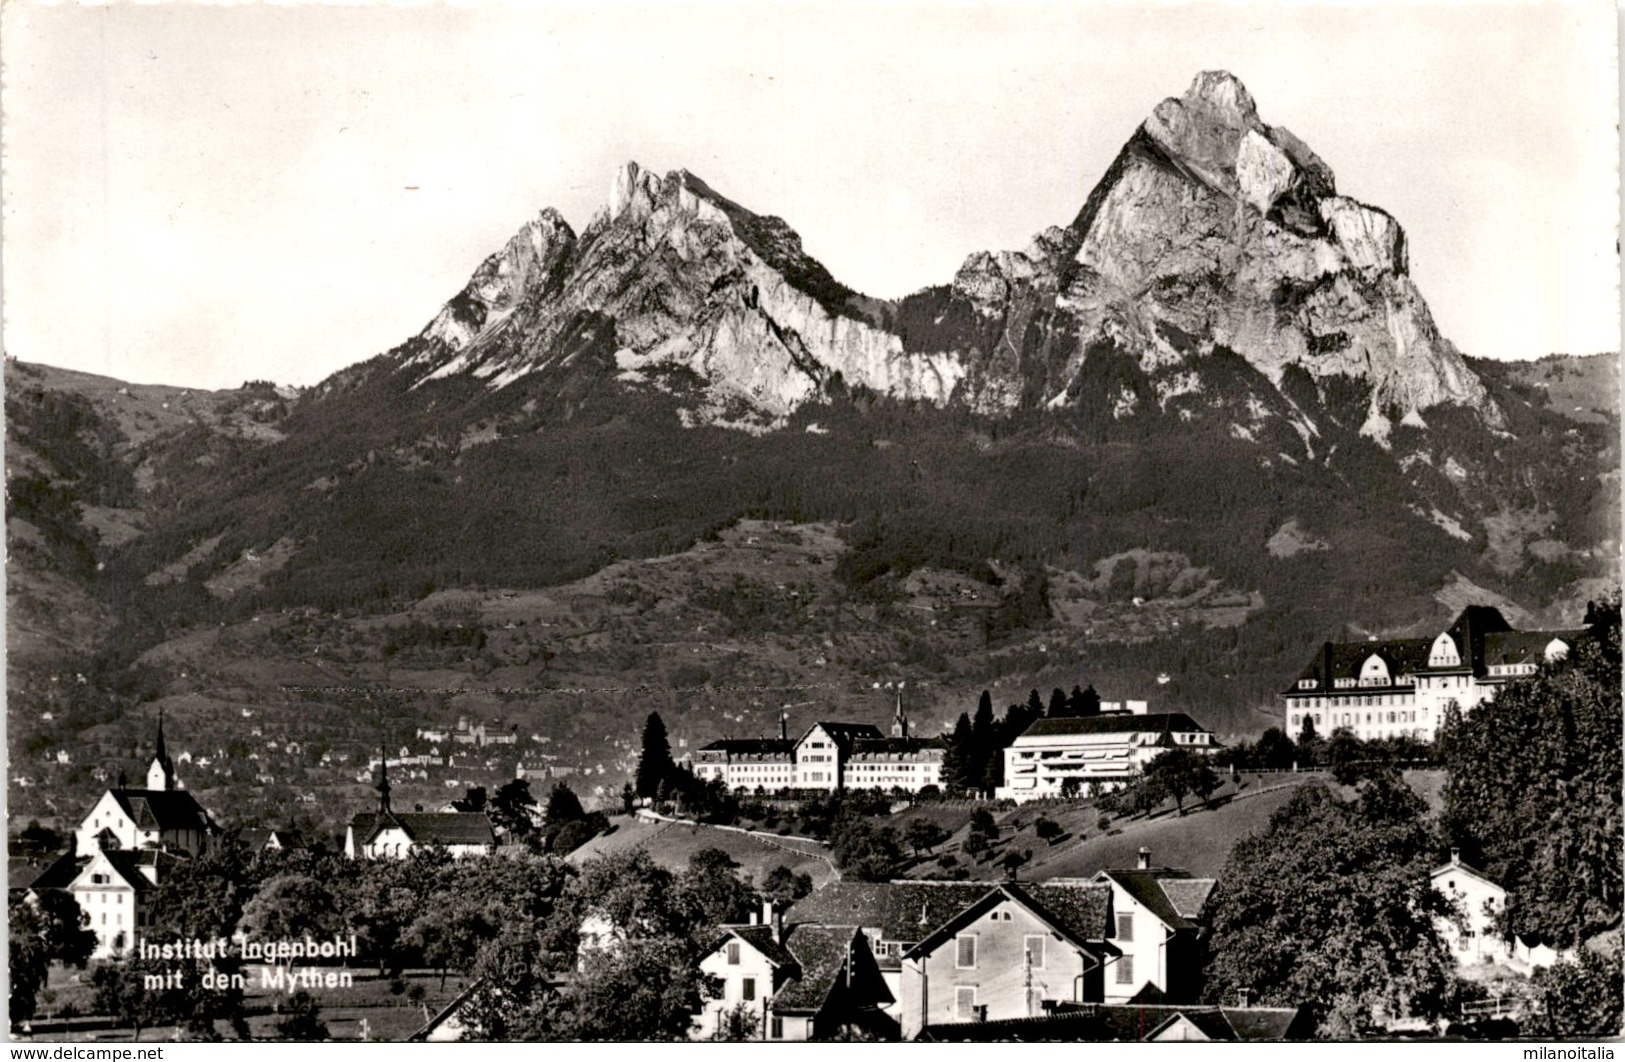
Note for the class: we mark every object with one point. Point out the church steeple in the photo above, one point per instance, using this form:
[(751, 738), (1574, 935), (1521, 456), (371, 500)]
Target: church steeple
[(383, 780), (161, 773), (899, 723)]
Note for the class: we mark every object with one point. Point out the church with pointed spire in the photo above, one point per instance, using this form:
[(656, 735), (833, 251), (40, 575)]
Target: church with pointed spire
[(125, 846), (161, 816), (388, 834)]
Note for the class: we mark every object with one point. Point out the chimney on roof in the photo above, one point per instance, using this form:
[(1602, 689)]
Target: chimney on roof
[(771, 915), (1145, 858), (1455, 857), (784, 724)]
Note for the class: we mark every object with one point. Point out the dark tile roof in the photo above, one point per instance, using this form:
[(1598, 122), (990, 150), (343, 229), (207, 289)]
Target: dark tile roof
[(905, 911), (762, 939), (1123, 723), (129, 865), (1077, 912), (162, 809), (60, 874), (1524, 647), (820, 953), (22, 873), (1147, 889), (849, 731), (1404, 656), (892, 746), (1082, 910), (1481, 633), (1267, 1023), (428, 827), (750, 747), (1105, 1023), (1188, 895)]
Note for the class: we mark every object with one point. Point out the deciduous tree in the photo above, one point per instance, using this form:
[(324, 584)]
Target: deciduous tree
[(1331, 907)]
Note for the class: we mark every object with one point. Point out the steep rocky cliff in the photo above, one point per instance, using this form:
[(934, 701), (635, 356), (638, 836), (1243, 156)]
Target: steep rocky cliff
[(1211, 232)]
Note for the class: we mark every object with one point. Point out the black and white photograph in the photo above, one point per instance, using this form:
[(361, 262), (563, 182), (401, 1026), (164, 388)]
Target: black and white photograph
[(955, 522)]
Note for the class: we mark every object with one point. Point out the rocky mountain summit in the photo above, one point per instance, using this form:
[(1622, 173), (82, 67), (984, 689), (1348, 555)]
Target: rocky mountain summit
[(1212, 232)]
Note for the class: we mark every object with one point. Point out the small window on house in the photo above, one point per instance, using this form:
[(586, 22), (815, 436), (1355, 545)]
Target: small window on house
[(1035, 952), (733, 953), (1125, 970), (776, 1029), (965, 1003), (965, 953), (748, 990), (1125, 927)]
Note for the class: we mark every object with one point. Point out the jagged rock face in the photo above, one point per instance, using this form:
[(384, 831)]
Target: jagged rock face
[(1212, 231), (691, 281)]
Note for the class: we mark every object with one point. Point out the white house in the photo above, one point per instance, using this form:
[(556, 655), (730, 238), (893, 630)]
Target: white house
[(753, 964), (1156, 916), (1472, 935)]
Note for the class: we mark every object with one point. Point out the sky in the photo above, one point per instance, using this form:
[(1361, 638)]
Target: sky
[(203, 195)]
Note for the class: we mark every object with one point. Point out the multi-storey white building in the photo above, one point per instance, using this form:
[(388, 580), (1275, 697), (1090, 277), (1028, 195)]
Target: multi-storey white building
[(1402, 687), (829, 756), (1109, 748)]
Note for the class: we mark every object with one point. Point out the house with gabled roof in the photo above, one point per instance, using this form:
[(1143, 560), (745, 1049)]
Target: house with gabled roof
[(1402, 687), (1156, 921), (798, 981), (113, 887), (1016, 951), (1472, 933)]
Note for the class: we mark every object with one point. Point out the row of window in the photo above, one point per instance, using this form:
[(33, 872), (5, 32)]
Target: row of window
[(1379, 700), (1353, 718)]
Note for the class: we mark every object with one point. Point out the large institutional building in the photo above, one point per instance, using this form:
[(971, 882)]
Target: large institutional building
[(1108, 748), (1402, 687), (124, 847), (829, 757)]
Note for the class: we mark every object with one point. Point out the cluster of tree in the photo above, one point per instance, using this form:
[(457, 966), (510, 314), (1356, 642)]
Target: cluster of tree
[(1331, 906), (1533, 790), (50, 931), (1274, 751), (516, 925), (566, 825)]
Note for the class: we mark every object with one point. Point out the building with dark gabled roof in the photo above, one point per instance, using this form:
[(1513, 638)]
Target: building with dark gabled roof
[(388, 834), (796, 982), (1157, 915), (1014, 952), (1055, 754), (1403, 687), (163, 815), (1038, 942), (829, 756), (113, 887)]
